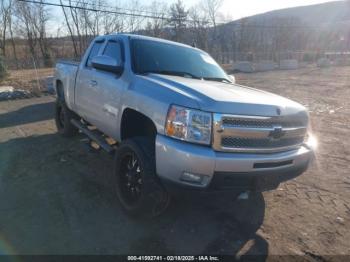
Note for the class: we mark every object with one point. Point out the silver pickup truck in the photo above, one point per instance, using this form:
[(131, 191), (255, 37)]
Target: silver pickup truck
[(177, 121)]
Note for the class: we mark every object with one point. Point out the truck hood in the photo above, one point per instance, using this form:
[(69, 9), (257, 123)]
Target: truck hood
[(226, 98)]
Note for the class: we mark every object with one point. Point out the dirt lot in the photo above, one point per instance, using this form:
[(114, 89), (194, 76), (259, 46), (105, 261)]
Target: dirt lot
[(30, 79), (56, 196)]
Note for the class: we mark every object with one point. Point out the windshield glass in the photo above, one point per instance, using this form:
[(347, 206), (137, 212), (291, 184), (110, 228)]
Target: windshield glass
[(157, 57)]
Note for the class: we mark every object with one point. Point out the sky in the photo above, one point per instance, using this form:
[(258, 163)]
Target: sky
[(239, 9), (230, 9), (236, 9)]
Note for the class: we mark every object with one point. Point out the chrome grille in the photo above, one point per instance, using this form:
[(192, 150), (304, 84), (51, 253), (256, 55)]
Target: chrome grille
[(232, 142), (257, 134), (259, 123)]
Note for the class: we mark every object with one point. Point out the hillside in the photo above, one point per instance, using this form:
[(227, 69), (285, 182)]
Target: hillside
[(314, 15), (286, 33)]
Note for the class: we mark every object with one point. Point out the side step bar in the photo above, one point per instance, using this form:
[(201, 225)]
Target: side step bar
[(98, 138)]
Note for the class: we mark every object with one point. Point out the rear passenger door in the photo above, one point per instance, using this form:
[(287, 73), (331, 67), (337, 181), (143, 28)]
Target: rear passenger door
[(110, 87), (86, 88)]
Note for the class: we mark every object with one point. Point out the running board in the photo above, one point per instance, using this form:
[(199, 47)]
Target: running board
[(94, 136)]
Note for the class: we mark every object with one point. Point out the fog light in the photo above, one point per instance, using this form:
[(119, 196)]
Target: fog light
[(193, 178)]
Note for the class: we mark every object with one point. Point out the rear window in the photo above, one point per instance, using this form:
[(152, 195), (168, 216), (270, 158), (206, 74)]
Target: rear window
[(94, 52)]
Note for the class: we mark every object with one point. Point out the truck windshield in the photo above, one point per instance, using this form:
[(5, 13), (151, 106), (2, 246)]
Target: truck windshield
[(170, 59)]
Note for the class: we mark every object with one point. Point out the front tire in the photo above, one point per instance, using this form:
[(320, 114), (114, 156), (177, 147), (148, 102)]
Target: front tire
[(138, 188), (63, 117)]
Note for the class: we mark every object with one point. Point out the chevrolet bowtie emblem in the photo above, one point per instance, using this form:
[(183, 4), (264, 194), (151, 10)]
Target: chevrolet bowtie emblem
[(277, 132)]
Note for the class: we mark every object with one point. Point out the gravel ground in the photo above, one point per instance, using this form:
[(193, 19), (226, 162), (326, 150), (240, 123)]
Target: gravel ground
[(56, 196)]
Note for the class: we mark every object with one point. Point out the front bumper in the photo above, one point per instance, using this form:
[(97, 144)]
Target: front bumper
[(226, 171)]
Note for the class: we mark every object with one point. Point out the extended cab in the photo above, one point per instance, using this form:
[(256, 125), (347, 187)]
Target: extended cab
[(179, 121)]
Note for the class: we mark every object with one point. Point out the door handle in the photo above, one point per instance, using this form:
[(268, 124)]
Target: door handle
[(93, 83)]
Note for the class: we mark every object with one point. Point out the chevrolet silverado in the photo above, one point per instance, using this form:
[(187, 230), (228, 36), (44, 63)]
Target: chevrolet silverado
[(177, 121)]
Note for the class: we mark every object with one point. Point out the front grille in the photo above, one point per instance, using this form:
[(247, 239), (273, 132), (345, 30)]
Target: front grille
[(259, 123), (258, 134), (232, 142)]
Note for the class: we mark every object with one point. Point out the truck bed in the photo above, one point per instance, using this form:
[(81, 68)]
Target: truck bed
[(66, 71)]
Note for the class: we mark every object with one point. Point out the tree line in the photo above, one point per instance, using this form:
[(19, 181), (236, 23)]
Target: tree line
[(26, 39)]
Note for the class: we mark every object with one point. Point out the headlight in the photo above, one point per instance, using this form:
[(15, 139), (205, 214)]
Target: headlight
[(311, 141), (189, 125)]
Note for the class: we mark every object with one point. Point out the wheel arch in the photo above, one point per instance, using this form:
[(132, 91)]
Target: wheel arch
[(59, 89), (134, 123)]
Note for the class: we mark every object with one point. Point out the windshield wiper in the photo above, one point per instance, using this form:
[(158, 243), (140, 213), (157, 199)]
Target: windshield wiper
[(218, 79), (168, 72)]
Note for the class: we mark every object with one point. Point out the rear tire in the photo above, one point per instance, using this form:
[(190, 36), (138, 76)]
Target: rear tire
[(138, 188), (63, 117)]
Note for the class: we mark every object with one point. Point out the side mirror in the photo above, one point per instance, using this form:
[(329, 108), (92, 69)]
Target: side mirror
[(107, 63)]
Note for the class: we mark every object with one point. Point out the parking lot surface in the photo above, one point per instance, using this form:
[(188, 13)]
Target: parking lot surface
[(56, 194)]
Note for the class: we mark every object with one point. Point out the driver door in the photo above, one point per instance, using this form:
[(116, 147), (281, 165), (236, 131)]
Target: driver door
[(86, 89), (109, 87)]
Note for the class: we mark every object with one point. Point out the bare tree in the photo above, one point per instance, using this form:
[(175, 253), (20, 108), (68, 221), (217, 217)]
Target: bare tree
[(113, 22), (133, 22), (11, 31), (155, 26), (82, 23), (40, 27), (70, 30), (74, 14), (212, 7), (199, 26), (33, 19), (24, 13), (5, 11), (178, 19)]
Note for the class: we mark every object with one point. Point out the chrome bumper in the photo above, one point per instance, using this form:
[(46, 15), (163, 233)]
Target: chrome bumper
[(174, 158)]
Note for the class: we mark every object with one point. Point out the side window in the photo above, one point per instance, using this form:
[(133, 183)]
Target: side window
[(94, 52), (114, 50)]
